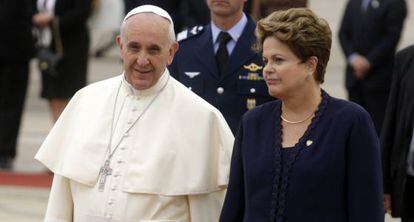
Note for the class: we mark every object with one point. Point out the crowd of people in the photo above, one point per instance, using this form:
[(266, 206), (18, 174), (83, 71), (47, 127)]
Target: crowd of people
[(224, 121)]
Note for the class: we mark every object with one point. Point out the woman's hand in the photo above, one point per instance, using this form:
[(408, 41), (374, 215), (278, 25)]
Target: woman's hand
[(42, 19)]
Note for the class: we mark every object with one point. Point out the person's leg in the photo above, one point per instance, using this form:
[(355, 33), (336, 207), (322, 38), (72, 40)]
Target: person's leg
[(57, 106), (13, 87)]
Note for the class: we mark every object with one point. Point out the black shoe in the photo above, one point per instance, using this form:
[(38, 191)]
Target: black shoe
[(6, 163)]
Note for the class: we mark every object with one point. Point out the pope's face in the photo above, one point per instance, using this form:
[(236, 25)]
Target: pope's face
[(145, 49), (226, 8)]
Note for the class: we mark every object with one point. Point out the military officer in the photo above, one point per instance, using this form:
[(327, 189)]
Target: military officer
[(218, 63)]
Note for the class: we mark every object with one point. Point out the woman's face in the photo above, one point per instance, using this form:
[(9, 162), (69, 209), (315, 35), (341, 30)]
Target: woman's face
[(285, 74)]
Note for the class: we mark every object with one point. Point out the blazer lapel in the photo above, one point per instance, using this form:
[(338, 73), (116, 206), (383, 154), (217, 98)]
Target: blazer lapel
[(205, 52)]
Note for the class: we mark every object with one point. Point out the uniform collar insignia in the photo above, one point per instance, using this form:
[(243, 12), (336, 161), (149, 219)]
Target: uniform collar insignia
[(194, 31), (192, 74)]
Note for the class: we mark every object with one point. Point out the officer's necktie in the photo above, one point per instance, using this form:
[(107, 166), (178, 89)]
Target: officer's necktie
[(222, 54)]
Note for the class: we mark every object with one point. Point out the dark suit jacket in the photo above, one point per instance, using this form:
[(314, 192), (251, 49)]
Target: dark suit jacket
[(398, 128), (16, 40), (240, 83), (373, 34), (334, 178), (73, 16)]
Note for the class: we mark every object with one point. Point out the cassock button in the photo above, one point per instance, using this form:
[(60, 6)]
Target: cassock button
[(113, 188), (220, 90), (109, 216), (134, 109), (130, 122), (190, 88), (123, 148), (252, 90), (126, 134), (110, 202), (119, 161)]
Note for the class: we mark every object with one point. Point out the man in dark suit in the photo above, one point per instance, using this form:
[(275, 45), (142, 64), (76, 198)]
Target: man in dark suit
[(397, 139), (217, 61), (16, 49), (369, 34)]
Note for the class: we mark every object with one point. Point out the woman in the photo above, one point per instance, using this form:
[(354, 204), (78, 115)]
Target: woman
[(397, 139), (64, 22), (307, 156)]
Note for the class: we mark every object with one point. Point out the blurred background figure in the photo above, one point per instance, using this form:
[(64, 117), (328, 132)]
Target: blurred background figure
[(397, 139), (16, 49), (263, 8), (71, 17), (217, 62), (173, 7), (104, 25), (195, 12), (369, 33), (185, 13)]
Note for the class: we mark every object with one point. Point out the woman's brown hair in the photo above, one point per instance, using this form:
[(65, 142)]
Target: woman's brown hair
[(302, 31)]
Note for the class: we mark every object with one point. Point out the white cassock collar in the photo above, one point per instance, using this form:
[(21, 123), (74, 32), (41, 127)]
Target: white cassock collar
[(130, 90)]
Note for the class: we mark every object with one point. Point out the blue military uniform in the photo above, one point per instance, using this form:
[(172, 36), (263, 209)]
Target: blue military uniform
[(240, 87)]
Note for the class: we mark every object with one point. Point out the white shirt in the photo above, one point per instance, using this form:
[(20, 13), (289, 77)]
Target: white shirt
[(235, 32)]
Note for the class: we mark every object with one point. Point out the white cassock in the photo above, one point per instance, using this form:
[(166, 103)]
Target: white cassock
[(172, 166)]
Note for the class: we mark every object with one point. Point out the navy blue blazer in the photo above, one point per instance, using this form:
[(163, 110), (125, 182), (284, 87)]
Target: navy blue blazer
[(239, 88), (333, 174)]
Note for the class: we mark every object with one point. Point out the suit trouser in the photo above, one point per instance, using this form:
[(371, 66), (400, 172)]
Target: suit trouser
[(373, 101), (408, 206), (13, 86)]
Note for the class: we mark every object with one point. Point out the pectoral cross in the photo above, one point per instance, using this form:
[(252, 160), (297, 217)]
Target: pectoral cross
[(103, 173)]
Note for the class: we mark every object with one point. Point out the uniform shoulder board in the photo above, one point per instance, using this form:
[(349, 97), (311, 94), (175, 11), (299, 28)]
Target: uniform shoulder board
[(186, 34)]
